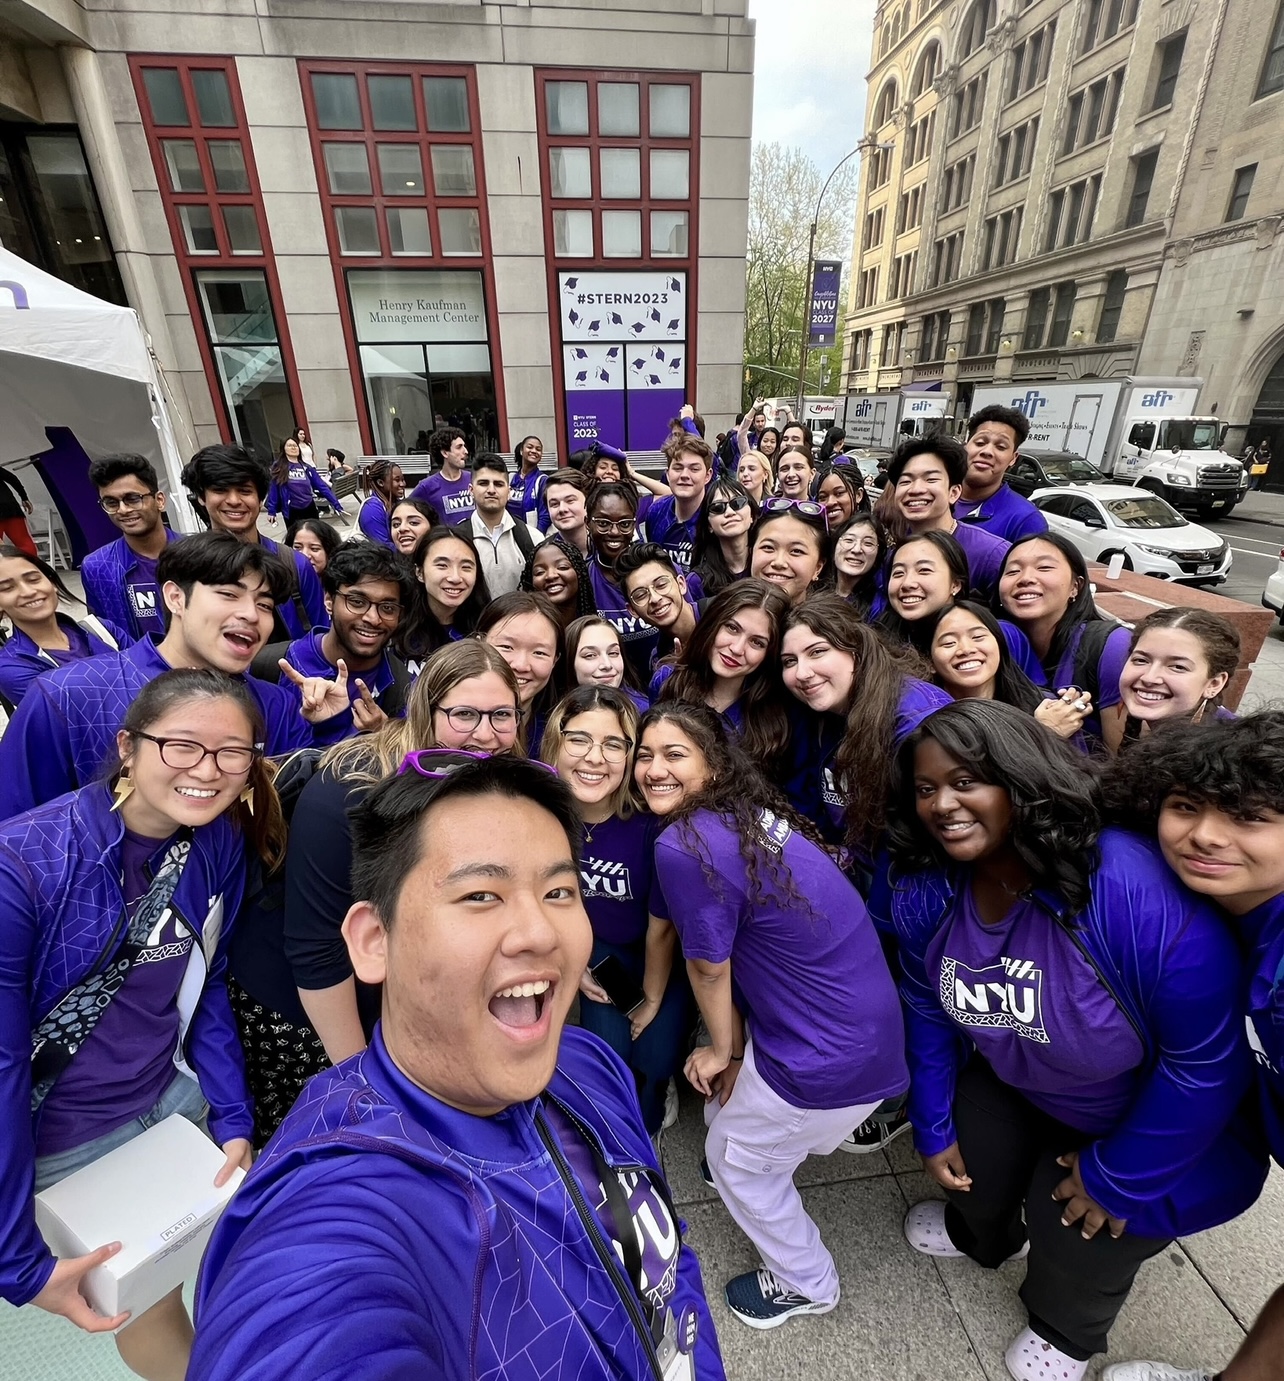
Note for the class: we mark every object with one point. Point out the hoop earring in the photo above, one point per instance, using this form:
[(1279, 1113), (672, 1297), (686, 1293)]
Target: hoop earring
[(123, 789), (247, 799)]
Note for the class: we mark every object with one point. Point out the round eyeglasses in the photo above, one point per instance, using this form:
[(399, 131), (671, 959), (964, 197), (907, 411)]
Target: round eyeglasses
[(577, 744), (182, 753)]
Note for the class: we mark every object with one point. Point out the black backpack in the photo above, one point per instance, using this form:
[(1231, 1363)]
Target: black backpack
[(1087, 657), (264, 890)]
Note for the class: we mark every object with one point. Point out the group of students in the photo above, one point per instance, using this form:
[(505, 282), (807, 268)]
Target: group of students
[(863, 820)]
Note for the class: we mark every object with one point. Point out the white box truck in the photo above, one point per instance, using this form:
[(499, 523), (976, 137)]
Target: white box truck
[(881, 421), (818, 414), (1140, 431)]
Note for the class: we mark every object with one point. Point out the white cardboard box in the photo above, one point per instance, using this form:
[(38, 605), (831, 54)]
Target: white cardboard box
[(156, 1196)]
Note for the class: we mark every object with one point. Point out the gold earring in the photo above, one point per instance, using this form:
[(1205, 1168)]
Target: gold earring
[(247, 799), (123, 789)]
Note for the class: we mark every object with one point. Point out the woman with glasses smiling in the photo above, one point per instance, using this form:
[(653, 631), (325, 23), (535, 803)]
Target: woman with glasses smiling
[(115, 912), (589, 742), (465, 697), (612, 524), (721, 553)]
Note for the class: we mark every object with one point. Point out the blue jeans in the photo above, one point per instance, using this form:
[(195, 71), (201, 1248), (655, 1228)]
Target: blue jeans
[(657, 1055), (183, 1096)]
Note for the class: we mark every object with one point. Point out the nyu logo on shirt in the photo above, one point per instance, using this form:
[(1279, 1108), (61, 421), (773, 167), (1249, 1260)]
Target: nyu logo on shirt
[(1008, 994), (829, 792), (775, 832), (144, 602), (458, 503), (169, 938), (629, 626), (599, 877)]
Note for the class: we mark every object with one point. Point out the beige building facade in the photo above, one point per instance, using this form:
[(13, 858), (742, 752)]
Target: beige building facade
[(1030, 170), (369, 218)]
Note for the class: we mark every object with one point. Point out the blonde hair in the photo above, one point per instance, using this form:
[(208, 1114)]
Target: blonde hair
[(371, 757), (584, 700)]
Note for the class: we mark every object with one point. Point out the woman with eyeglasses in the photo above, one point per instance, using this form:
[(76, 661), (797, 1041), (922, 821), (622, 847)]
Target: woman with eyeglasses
[(42, 638), (860, 547), (721, 553), (558, 571), (789, 546), (589, 741), (465, 697), (596, 658), (296, 482), (387, 489), (116, 904), (612, 523), (757, 474), (450, 596), (316, 539), (409, 521), (523, 627)]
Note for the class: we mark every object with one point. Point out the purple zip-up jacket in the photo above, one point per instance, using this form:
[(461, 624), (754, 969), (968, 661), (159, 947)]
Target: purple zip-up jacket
[(1174, 1164), (21, 661), (384, 1236), (1262, 930), (105, 575), (62, 916), (64, 732), (279, 494)]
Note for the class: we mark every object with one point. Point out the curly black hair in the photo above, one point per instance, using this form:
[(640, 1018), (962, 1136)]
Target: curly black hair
[(584, 601), (1055, 796), (738, 792), (1236, 765)]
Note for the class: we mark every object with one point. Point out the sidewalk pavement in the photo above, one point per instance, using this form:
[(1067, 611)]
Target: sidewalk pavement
[(1258, 506), (902, 1317)]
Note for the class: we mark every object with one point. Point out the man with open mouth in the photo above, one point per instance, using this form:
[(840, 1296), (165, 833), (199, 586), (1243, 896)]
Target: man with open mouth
[(447, 1202)]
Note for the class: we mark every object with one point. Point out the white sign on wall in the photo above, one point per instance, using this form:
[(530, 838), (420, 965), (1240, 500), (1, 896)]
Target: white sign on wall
[(593, 368), (638, 306), (417, 304)]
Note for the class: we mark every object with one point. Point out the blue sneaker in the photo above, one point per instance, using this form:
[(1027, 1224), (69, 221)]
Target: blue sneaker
[(758, 1299), (705, 1173)]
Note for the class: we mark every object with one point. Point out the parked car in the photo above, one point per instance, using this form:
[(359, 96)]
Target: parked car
[(1046, 469), (1273, 595), (1104, 520)]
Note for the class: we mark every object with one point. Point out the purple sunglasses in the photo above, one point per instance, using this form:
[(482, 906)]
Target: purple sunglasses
[(441, 762)]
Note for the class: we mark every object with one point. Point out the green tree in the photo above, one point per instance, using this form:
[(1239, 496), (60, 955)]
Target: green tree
[(783, 186)]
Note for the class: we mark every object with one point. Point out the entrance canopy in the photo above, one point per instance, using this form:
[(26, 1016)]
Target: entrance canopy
[(71, 362)]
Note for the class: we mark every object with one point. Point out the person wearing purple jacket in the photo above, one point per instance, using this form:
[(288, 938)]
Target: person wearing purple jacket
[(449, 488), (1213, 795), (1073, 1024), (671, 521), (806, 1031), (994, 436), (448, 1203), (116, 908), (927, 477), (295, 484)]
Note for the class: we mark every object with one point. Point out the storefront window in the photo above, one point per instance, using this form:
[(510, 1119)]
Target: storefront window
[(425, 357)]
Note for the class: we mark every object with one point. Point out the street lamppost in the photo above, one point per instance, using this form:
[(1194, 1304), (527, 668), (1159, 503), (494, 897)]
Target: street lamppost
[(811, 263)]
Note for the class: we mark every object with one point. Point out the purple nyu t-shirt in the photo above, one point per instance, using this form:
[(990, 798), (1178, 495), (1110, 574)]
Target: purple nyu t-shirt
[(807, 970), (617, 878), (451, 499), (1038, 1011), (128, 1061), (638, 640)]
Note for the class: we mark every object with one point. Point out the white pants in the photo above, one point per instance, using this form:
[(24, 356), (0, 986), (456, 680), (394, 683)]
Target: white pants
[(755, 1144)]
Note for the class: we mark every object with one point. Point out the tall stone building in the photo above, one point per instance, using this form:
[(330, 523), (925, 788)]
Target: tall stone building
[(1030, 170), (369, 216)]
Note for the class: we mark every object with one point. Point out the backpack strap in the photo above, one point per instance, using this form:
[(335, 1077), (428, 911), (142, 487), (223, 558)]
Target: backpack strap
[(266, 666), (523, 537)]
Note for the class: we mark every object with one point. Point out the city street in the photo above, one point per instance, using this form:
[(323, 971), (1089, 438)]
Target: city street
[(1256, 547)]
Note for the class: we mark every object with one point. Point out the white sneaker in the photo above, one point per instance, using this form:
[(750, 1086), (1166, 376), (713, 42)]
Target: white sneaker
[(1031, 1358), (1153, 1371), (925, 1232), (670, 1106)]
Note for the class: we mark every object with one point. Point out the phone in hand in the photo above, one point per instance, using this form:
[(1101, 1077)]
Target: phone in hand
[(618, 984)]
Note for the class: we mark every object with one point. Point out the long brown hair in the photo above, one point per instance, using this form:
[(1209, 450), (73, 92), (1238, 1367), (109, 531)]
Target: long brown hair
[(866, 756), (263, 827), (370, 757), (766, 731)]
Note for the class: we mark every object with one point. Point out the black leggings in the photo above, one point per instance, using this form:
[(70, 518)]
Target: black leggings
[(293, 515), (1073, 1289)]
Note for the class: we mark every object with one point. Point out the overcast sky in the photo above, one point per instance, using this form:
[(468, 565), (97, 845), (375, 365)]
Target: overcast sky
[(809, 79)]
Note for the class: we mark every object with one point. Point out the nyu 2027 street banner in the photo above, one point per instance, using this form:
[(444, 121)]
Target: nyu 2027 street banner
[(824, 303)]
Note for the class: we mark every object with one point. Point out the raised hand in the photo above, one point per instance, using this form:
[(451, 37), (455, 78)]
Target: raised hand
[(321, 699), (366, 714)]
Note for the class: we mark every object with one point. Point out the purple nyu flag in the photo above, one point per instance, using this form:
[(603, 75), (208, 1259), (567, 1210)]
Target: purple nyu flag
[(825, 277)]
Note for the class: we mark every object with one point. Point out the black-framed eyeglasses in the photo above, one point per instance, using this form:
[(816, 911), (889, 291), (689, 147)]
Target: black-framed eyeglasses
[(182, 753), (465, 718), (605, 525), (441, 762), (809, 507), (720, 506), (110, 505), (359, 604), (659, 588), (578, 744)]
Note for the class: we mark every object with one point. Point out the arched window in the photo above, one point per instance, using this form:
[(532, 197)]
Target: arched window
[(979, 22), (884, 106), (929, 64)]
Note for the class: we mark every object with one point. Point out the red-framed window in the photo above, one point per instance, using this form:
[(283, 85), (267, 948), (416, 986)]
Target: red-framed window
[(200, 142), (398, 155), (619, 164)]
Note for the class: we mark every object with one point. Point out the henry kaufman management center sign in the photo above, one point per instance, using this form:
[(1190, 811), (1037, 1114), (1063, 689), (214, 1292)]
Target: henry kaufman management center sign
[(624, 356), (410, 305)]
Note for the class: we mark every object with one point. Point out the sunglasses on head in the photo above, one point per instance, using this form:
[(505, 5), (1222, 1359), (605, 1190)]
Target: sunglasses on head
[(720, 506), (807, 507), (441, 762)]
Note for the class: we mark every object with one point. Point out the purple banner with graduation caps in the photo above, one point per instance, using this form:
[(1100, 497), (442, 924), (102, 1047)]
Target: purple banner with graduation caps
[(826, 274)]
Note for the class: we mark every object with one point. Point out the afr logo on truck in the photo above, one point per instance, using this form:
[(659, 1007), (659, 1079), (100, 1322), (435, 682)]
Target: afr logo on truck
[(1031, 403), (921, 406), (863, 408), (1160, 398)]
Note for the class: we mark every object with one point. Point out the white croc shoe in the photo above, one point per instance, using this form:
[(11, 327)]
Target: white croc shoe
[(925, 1232), (1031, 1358)]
